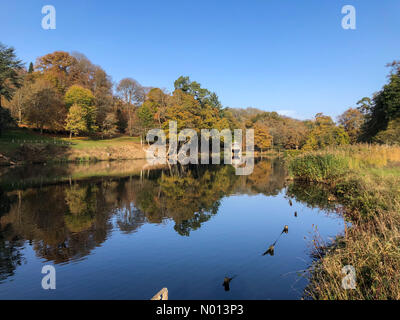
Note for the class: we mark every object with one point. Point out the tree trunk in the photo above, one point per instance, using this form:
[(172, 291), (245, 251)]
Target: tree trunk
[(130, 125)]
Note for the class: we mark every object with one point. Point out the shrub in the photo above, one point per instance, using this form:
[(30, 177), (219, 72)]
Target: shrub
[(318, 168)]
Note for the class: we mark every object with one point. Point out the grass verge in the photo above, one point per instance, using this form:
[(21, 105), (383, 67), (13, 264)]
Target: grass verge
[(366, 180), (23, 145)]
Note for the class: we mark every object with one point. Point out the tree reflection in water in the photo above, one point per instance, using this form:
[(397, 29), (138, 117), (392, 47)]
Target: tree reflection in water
[(10, 243), (64, 222)]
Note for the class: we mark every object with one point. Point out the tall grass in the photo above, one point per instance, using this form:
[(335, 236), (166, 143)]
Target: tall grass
[(361, 177), (333, 162), (372, 248), (318, 167)]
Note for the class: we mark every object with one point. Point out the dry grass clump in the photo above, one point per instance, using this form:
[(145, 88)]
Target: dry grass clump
[(362, 178), (373, 249), (117, 152), (362, 156), (367, 195)]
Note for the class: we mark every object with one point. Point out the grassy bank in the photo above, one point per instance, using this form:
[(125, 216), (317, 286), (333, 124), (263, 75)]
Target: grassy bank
[(26, 146), (22, 177), (366, 180)]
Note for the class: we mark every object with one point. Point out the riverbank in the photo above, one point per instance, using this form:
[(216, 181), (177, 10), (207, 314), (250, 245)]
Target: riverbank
[(22, 146), (32, 176), (25, 146), (366, 181), (66, 211)]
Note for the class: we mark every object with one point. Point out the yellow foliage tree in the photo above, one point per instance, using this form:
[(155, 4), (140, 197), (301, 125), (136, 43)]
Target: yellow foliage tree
[(262, 137)]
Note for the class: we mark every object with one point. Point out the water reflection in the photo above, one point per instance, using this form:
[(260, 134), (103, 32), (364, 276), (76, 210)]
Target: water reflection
[(10, 256), (271, 248), (270, 251), (66, 214), (312, 195), (65, 222), (227, 282)]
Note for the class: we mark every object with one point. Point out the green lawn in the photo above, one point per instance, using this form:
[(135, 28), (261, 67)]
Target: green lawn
[(86, 143), (12, 139)]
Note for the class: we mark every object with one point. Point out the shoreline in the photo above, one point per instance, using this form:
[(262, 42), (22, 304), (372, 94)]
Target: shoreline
[(365, 180)]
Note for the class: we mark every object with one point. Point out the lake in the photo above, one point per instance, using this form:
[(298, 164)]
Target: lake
[(124, 230)]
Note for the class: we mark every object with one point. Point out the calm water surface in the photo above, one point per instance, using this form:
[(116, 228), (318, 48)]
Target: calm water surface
[(123, 231)]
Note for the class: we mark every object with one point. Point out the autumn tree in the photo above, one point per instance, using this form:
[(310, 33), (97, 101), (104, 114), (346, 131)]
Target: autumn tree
[(43, 106), (60, 68), (157, 101), (286, 132), (294, 134), (185, 110), (16, 104), (76, 122), (93, 77), (325, 133), (109, 125), (103, 95), (352, 121), (153, 110), (130, 91), (77, 95), (197, 107), (132, 94), (262, 138)]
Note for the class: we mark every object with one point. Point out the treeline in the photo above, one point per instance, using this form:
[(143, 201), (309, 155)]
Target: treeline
[(378, 118), (66, 93), (373, 120)]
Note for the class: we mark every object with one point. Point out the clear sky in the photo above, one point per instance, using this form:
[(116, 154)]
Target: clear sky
[(287, 55)]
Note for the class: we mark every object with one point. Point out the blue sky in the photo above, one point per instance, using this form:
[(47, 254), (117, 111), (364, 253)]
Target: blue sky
[(291, 55)]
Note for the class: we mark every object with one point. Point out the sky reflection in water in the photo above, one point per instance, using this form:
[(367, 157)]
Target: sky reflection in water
[(125, 233)]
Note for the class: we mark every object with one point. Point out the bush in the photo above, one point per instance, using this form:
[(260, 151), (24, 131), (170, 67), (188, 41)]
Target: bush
[(318, 167)]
